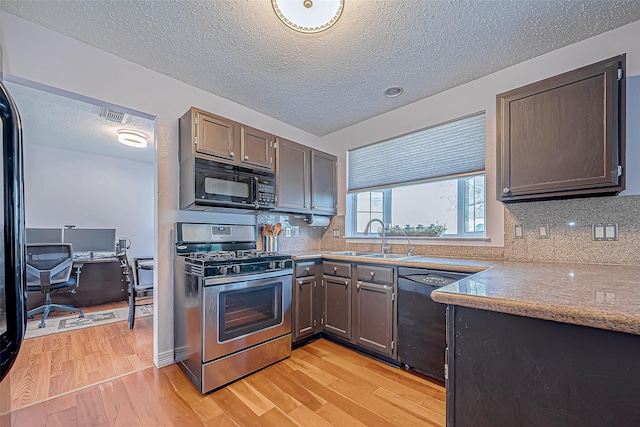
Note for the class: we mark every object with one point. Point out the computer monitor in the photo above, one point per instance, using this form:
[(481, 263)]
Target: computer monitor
[(44, 235), (91, 239)]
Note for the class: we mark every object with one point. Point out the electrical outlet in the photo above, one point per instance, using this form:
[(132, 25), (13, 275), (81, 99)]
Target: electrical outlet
[(598, 232), (287, 232), (605, 232), (543, 231), (336, 233), (518, 231)]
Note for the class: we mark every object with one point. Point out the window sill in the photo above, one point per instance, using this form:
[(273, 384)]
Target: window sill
[(421, 240)]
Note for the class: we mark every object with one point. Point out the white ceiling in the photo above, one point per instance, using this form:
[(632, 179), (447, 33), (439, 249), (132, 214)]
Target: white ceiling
[(70, 124), (238, 49)]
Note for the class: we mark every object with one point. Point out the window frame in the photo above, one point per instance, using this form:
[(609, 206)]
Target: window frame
[(352, 206)]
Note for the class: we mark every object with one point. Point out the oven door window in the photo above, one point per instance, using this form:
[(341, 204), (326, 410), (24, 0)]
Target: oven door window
[(245, 311)]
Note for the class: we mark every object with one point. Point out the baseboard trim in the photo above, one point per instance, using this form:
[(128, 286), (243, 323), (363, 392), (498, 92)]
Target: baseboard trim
[(165, 358)]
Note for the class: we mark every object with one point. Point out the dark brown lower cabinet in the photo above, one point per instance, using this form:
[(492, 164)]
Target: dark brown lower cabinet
[(308, 300), (373, 317), (304, 307), (337, 306), (506, 370)]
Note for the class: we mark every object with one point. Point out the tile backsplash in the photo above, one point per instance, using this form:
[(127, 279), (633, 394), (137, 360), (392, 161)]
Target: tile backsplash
[(568, 239), (570, 230)]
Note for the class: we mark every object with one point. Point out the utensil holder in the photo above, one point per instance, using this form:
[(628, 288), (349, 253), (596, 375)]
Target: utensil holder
[(270, 243)]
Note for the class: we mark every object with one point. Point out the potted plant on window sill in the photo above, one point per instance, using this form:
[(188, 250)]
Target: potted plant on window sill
[(432, 230)]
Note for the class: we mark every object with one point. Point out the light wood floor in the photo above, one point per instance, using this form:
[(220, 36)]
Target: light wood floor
[(56, 364), (322, 384)]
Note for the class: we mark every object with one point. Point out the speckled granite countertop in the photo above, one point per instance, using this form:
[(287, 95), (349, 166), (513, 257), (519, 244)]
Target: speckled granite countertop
[(600, 296), (449, 264)]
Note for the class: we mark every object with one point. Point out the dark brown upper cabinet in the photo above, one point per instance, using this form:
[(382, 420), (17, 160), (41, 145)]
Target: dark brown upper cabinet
[(209, 136), (305, 179), (292, 176), (323, 183), (256, 147), (563, 136)]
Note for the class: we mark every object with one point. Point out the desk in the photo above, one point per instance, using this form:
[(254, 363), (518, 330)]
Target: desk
[(100, 283)]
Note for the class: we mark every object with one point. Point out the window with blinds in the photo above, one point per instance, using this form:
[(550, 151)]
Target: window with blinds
[(450, 149), (430, 182)]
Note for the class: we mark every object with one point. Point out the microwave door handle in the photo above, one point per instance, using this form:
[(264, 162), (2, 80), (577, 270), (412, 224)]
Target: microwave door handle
[(254, 191)]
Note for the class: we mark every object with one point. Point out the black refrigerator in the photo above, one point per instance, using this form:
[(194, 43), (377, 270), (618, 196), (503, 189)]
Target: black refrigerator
[(13, 317)]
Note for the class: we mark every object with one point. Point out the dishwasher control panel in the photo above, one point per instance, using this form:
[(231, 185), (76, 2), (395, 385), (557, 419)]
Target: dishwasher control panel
[(436, 280)]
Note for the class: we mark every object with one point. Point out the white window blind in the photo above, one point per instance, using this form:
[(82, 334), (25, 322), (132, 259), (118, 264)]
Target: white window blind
[(448, 149)]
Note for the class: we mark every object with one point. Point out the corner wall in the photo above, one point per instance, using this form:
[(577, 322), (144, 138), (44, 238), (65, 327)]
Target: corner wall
[(35, 53), (480, 95)]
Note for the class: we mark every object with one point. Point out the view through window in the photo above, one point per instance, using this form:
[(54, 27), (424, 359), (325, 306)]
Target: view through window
[(452, 207)]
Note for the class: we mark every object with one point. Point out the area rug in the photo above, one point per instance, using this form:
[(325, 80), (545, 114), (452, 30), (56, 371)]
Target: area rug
[(56, 325)]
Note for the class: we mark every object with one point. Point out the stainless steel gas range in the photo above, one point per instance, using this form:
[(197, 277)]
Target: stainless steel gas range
[(232, 311)]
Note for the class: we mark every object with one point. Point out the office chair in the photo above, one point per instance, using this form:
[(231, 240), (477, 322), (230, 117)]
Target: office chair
[(49, 268), (137, 291)]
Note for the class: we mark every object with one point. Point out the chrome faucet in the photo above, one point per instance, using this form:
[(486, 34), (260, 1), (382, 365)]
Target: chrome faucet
[(409, 247), (366, 233)]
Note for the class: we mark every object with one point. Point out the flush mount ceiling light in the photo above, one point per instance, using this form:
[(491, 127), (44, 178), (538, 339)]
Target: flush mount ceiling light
[(308, 16), (132, 138), (392, 92)]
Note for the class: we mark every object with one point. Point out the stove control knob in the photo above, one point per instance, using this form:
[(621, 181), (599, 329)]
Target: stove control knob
[(282, 264), (272, 265), (222, 271), (235, 269)]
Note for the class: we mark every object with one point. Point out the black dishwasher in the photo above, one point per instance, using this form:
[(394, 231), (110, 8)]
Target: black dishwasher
[(422, 321)]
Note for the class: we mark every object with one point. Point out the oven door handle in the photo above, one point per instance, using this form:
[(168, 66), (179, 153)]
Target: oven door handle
[(225, 280)]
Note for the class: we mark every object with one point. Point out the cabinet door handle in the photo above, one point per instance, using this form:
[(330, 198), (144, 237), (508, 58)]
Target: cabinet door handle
[(246, 157), (300, 282), (231, 154), (372, 274), (346, 283), (358, 285), (506, 190), (307, 269), (335, 269)]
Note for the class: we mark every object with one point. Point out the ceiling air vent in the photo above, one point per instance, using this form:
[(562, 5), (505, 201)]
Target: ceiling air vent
[(113, 115)]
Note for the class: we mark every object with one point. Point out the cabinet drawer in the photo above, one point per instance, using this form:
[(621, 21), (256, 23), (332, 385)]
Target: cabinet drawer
[(336, 269), (305, 269), (371, 273)]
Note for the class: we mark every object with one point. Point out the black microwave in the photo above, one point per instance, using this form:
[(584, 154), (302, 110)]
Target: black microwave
[(229, 186)]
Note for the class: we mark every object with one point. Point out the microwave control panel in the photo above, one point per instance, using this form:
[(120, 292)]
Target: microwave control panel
[(266, 193)]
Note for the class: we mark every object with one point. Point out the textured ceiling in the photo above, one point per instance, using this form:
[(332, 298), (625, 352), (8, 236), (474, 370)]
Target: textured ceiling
[(239, 50), (57, 121)]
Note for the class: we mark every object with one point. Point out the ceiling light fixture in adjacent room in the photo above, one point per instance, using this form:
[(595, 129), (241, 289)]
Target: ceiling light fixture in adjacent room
[(308, 16), (393, 91), (132, 138)]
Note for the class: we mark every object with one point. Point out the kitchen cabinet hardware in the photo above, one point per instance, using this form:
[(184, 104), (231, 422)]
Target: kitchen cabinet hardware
[(505, 190), (231, 154), (358, 285), (246, 157)]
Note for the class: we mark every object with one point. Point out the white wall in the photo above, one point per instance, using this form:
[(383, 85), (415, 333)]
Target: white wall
[(38, 54), (90, 191), (480, 95), (41, 55)]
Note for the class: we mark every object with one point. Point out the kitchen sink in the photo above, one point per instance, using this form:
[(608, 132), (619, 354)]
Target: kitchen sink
[(353, 253), (369, 254), (386, 256)]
